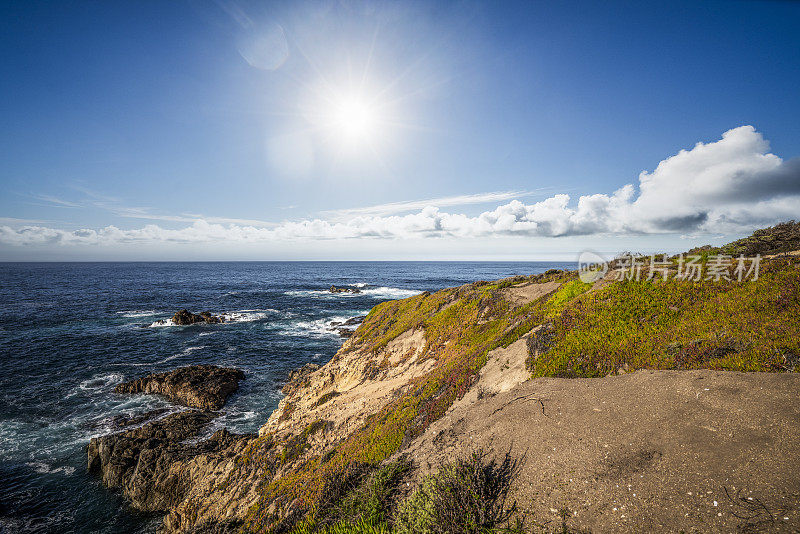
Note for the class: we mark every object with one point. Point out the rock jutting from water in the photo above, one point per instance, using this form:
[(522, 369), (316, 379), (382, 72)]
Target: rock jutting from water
[(206, 387), (334, 289), (346, 328), (152, 464), (185, 318)]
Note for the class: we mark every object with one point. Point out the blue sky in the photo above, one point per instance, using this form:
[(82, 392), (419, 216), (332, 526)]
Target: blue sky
[(393, 130)]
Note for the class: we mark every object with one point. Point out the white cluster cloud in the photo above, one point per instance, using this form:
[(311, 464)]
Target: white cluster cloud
[(729, 185)]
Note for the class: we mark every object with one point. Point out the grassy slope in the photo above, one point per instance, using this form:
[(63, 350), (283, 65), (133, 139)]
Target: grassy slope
[(726, 325), (745, 326)]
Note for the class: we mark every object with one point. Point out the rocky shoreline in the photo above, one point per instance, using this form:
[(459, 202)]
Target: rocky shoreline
[(151, 463), (157, 458), (335, 289)]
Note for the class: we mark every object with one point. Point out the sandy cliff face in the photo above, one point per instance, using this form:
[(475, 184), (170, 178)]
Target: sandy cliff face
[(223, 483), (353, 385)]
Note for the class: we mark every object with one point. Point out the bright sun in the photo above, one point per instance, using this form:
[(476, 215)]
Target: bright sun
[(354, 119), (351, 119)]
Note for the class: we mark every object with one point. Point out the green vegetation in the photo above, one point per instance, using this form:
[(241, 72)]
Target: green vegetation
[(461, 325), (726, 325), (357, 501), (566, 293), (468, 496)]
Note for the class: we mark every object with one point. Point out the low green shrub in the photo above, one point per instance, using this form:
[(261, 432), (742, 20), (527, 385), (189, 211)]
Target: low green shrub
[(469, 496)]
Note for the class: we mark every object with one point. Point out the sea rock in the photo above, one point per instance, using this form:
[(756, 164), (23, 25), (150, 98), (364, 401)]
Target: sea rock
[(334, 289), (344, 328), (353, 321), (185, 317), (151, 465), (206, 387)]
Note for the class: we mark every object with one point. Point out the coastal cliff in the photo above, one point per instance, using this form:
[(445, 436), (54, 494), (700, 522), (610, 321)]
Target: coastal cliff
[(658, 433)]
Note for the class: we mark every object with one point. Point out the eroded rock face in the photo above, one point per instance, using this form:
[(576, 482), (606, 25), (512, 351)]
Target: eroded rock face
[(298, 378), (185, 317), (152, 465), (138, 461), (206, 387)]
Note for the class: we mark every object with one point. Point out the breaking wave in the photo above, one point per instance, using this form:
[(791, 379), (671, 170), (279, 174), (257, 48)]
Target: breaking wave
[(138, 313), (379, 292)]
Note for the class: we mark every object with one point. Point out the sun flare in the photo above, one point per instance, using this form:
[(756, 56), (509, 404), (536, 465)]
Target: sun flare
[(354, 119)]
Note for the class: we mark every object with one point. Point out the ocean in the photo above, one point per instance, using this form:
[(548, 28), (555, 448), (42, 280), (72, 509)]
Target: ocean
[(69, 332)]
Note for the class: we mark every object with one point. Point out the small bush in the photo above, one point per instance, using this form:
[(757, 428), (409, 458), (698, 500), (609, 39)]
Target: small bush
[(777, 239), (357, 500), (372, 499), (465, 497)]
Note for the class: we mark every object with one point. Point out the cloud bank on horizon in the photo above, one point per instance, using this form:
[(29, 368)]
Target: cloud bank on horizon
[(731, 185)]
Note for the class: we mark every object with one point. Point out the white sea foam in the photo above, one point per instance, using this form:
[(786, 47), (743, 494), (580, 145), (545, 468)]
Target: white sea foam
[(100, 382), (390, 292), (10, 432), (45, 469), (245, 316), (382, 292), (315, 328), (319, 328), (109, 424), (138, 313)]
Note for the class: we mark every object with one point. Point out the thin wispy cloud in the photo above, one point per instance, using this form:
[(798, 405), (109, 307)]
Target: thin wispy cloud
[(99, 200), (95, 195), (146, 213), (391, 208), (57, 202), (232, 220), (15, 220)]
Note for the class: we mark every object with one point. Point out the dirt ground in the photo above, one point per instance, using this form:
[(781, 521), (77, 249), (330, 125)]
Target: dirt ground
[(525, 293), (651, 451)]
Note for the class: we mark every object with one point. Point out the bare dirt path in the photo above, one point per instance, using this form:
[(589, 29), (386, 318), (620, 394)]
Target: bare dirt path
[(651, 451)]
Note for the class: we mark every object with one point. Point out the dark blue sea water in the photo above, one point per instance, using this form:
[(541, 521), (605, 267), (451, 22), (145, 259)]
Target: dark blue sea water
[(69, 332)]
